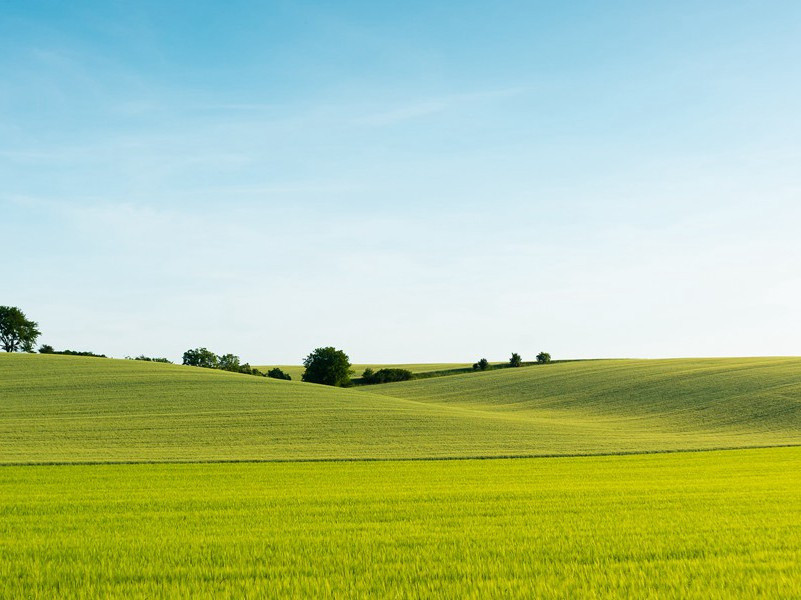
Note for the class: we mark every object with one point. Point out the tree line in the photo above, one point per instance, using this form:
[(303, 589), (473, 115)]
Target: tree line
[(325, 365)]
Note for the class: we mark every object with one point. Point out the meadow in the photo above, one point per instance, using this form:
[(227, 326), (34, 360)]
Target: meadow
[(76, 409), (689, 525)]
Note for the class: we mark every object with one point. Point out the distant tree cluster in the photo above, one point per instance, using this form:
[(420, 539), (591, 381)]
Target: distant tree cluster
[(481, 365), (543, 358), (48, 349), (150, 359), (392, 375), (17, 332), (203, 357), (327, 366)]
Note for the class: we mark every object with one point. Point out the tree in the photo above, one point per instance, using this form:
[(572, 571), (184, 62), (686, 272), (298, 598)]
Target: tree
[(229, 362), (515, 361), (328, 366), (543, 358), (200, 357), (277, 373), (16, 331), (481, 365), (46, 349)]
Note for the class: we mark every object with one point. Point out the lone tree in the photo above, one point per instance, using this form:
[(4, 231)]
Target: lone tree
[(16, 331), (328, 366), (200, 357), (481, 365), (543, 358), (515, 361)]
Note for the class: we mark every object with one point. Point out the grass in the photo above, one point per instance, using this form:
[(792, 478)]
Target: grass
[(696, 525), (74, 409)]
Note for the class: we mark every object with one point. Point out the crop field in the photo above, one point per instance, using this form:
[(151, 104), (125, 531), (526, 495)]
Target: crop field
[(700, 525), (239, 486), (75, 409)]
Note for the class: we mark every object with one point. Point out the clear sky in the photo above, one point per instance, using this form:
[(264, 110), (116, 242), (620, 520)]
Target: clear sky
[(409, 181)]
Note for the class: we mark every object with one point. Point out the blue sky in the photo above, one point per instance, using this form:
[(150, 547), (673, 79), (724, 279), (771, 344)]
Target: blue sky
[(408, 181)]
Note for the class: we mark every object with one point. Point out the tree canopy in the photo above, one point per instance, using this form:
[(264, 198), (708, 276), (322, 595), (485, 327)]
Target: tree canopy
[(543, 358), (17, 332), (328, 366), (515, 361), (201, 357)]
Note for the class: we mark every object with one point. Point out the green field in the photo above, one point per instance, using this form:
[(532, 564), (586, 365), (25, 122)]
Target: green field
[(698, 525), (75, 409), (225, 523)]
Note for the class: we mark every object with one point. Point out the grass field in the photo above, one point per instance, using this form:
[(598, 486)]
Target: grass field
[(75, 409), (692, 525)]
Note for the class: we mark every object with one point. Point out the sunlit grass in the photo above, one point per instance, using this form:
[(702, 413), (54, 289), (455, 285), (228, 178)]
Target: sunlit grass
[(702, 525), (59, 408)]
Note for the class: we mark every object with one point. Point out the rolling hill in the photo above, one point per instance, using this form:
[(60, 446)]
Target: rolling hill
[(75, 409)]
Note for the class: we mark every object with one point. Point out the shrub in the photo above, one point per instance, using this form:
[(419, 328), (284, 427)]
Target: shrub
[(543, 358), (386, 375), (277, 373), (515, 361), (46, 349), (151, 359)]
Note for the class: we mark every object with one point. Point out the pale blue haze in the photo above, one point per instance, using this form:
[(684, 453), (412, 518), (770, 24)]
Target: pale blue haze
[(410, 181)]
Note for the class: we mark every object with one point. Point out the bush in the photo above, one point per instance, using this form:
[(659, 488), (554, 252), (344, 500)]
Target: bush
[(277, 373), (515, 361), (327, 366), (543, 358), (151, 359), (481, 365), (386, 375), (77, 353), (46, 349)]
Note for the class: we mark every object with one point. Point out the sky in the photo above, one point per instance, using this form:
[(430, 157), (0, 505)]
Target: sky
[(408, 181)]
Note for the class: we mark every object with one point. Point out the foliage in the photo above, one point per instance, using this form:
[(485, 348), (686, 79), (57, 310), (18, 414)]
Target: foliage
[(201, 357), (481, 365), (543, 358), (17, 332), (515, 361), (327, 366), (152, 359), (75, 353), (229, 362), (388, 375), (698, 525), (46, 349), (277, 373)]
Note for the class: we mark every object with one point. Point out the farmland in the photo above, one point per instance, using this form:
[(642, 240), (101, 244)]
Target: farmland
[(75, 409), (240, 486), (712, 524)]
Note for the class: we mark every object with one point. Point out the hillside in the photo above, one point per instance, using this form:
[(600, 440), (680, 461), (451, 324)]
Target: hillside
[(74, 409)]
